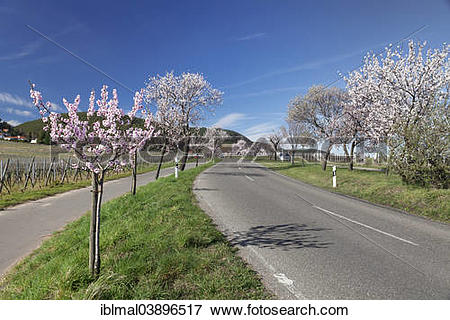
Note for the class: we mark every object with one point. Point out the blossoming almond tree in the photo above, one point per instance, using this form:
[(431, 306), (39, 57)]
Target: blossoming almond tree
[(396, 94), (106, 140), (136, 136), (295, 135), (189, 96), (215, 138), (398, 87), (351, 129), (199, 144), (239, 148), (320, 110), (167, 119)]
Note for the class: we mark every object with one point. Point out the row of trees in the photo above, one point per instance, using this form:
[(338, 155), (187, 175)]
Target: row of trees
[(109, 138), (400, 100)]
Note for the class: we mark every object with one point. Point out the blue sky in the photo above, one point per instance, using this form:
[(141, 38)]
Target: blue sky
[(260, 53)]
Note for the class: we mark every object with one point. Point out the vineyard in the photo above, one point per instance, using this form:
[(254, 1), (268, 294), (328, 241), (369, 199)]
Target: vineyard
[(26, 167)]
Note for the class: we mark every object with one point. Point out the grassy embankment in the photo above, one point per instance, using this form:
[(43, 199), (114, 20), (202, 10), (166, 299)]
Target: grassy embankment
[(376, 187), (156, 245)]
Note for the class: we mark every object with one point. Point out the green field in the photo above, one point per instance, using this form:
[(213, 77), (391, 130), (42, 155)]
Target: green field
[(376, 187), (12, 149), (156, 245)]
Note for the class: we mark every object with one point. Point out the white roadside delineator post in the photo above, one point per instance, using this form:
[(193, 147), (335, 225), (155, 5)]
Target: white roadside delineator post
[(176, 167), (334, 176)]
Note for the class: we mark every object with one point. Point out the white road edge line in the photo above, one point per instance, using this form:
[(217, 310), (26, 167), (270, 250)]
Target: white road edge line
[(251, 179), (366, 226), (281, 277)]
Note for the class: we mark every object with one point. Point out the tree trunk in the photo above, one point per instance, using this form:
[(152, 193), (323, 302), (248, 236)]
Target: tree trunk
[(352, 150), (275, 155), (134, 174), (213, 151), (185, 154), (161, 158), (97, 226), (292, 157), (344, 146), (325, 161), (196, 161), (92, 237)]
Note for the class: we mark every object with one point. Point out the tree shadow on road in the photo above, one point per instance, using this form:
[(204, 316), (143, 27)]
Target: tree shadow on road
[(283, 236)]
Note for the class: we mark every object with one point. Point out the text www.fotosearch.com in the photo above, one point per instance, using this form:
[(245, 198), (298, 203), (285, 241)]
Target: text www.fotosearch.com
[(260, 310)]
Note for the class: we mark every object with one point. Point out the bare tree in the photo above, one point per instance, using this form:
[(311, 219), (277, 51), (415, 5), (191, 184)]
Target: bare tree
[(275, 139)]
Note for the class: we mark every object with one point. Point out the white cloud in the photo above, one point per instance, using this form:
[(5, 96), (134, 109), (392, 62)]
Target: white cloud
[(16, 100), (260, 130), (23, 113), (229, 120), (13, 122), (55, 107), (8, 98), (251, 36)]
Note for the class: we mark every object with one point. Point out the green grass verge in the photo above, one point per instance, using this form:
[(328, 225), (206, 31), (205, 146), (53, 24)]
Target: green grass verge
[(18, 196), (156, 245), (376, 187)]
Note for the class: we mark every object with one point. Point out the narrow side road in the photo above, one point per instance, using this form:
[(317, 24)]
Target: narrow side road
[(308, 243), (23, 227)]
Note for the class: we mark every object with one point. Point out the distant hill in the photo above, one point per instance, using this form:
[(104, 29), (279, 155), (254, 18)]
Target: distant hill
[(35, 129), (31, 129), (233, 136)]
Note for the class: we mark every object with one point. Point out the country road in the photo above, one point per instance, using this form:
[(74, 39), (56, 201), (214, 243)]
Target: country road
[(308, 243), (23, 227)]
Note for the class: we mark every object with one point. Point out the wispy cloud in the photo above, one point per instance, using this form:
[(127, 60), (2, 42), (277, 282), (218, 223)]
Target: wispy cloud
[(229, 120), (13, 122), (260, 130), (15, 100), (23, 113), (31, 47), (305, 66), (5, 9), (25, 51), (251, 36), (265, 92)]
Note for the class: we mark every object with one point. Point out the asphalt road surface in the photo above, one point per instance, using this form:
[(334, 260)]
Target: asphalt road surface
[(23, 227), (308, 243)]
